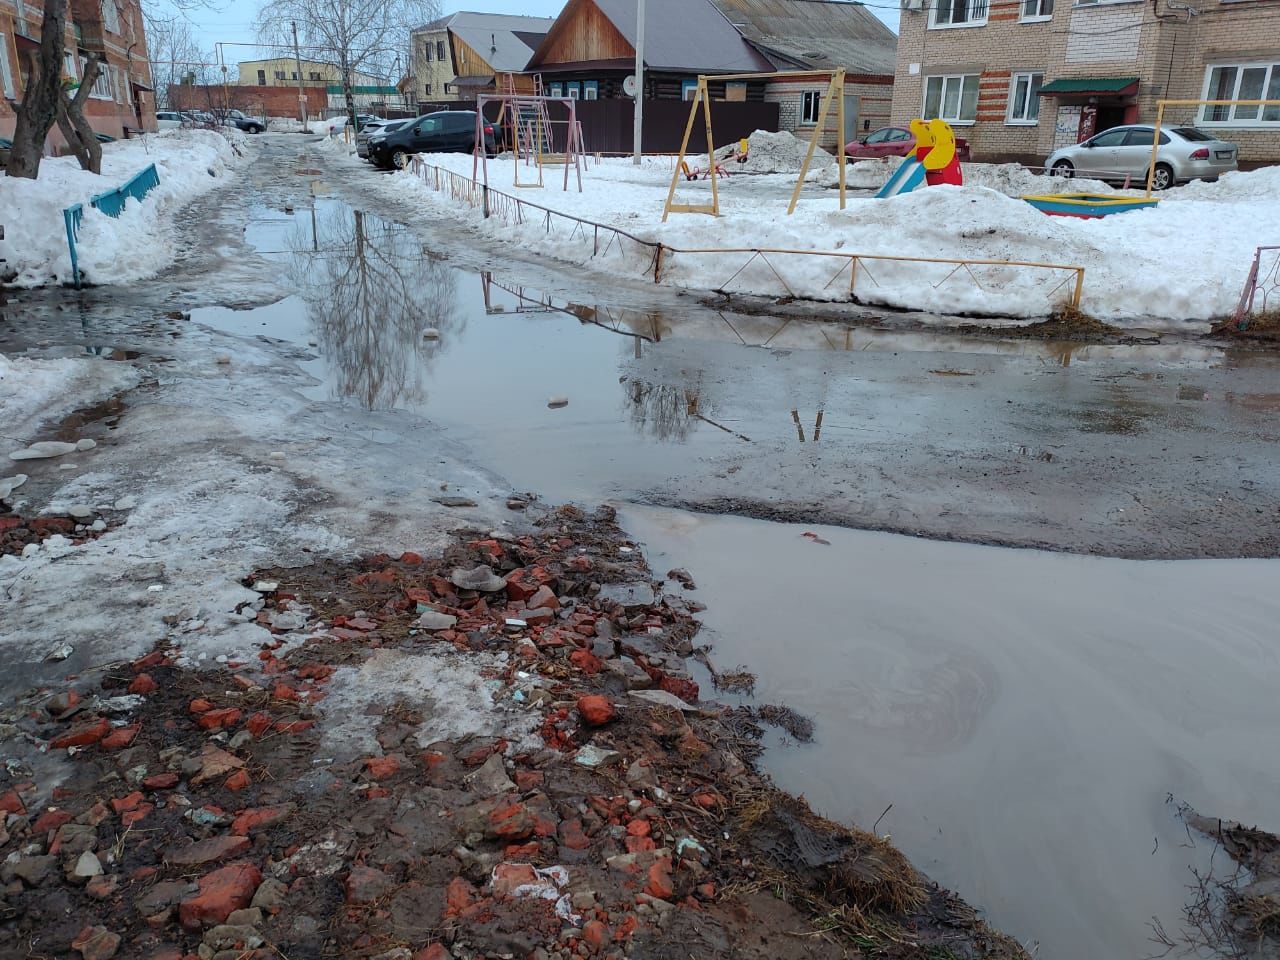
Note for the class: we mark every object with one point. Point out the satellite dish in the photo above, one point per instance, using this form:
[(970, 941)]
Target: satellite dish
[(629, 85)]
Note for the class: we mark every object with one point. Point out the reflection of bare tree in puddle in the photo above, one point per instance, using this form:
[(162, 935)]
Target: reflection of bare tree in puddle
[(372, 292), (664, 411)]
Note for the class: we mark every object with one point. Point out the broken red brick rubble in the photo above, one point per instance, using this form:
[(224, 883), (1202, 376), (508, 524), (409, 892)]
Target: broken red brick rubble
[(223, 813)]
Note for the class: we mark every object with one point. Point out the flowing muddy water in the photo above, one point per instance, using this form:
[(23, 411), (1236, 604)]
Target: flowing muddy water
[(1028, 715)]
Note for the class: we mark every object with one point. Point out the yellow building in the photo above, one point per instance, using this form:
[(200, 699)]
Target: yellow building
[(283, 72)]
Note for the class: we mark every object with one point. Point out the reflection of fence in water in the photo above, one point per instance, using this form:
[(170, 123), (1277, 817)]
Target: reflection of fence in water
[(1064, 284), (1261, 293)]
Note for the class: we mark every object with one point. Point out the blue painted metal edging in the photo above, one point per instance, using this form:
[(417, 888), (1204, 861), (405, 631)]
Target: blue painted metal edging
[(112, 203)]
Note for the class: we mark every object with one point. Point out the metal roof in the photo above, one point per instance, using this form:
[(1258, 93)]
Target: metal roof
[(1086, 85), (680, 35), (505, 41), (815, 34)]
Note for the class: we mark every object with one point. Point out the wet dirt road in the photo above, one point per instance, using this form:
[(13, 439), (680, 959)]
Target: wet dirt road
[(1126, 451)]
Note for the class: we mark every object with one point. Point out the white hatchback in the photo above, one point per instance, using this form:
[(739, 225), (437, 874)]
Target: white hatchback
[(168, 120)]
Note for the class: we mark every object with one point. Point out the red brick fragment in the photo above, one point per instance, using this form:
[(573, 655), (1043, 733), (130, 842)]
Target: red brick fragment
[(597, 935), (659, 884), (380, 768), (596, 710), (153, 659), (200, 706), (130, 817), (160, 781), (222, 891), (10, 802), (49, 821), (83, 735), (259, 723), (121, 737), (249, 822), (508, 876), (143, 684), (237, 781), (220, 719)]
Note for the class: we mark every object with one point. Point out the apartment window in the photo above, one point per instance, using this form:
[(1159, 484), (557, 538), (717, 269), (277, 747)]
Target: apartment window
[(102, 87), (279, 74), (572, 90), (293, 74), (555, 90), (954, 98), (810, 105), (262, 78), (688, 89), (1033, 10), (427, 89), (590, 89), (69, 65), (6, 72), (958, 13), (110, 16), (440, 50), (1024, 98), (429, 51), (1242, 81), (314, 76)]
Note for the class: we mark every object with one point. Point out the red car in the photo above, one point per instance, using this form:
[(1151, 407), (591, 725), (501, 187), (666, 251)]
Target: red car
[(893, 142)]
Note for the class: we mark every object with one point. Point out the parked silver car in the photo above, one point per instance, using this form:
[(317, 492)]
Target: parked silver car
[(373, 128), (1185, 153)]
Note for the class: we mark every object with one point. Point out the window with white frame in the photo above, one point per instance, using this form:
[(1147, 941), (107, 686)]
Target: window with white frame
[(428, 51), (1242, 81), (69, 65), (958, 13), (440, 50), (103, 88), (6, 72), (1032, 10), (1024, 98), (951, 98), (110, 16), (590, 89), (810, 105)]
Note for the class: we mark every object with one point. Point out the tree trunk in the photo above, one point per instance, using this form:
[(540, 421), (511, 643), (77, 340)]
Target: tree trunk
[(75, 128), (349, 95), (39, 106)]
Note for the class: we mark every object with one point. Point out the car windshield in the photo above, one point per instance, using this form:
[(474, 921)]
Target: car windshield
[(1193, 134)]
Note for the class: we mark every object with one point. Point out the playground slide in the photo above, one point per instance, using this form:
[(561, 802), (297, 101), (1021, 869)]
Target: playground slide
[(908, 176)]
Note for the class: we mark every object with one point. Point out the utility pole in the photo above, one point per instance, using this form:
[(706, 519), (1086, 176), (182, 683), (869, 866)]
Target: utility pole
[(297, 56), (639, 117)]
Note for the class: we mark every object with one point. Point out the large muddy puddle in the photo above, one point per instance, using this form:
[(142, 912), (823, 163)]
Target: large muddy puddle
[(1025, 717)]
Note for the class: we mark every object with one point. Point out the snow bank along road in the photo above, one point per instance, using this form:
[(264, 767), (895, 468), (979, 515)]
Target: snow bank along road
[(1178, 264), (136, 245)]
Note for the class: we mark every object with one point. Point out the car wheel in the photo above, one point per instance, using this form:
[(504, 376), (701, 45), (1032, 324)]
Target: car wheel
[(256, 129), (1163, 178), (399, 159), (1064, 168)]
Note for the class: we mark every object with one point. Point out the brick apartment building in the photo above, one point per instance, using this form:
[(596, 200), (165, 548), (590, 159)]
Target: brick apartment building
[(1023, 77), (122, 101)]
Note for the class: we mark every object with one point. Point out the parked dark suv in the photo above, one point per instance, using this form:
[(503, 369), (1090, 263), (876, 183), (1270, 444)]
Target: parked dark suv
[(449, 131)]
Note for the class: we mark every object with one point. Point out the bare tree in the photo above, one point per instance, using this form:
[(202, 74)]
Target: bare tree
[(75, 127), (39, 107), (356, 36), (176, 56)]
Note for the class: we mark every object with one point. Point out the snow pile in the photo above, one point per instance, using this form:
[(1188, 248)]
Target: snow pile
[(136, 245), (1015, 180), (1260, 185), (285, 125), (1129, 274), (767, 152), (33, 392)]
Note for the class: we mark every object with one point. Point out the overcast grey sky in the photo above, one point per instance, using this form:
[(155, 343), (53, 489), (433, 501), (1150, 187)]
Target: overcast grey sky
[(231, 21)]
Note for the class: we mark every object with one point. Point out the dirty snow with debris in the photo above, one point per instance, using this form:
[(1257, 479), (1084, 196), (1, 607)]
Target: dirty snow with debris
[(134, 246), (451, 690), (1129, 275)]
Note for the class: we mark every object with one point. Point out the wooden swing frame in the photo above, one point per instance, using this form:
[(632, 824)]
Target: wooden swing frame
[(835, 90)]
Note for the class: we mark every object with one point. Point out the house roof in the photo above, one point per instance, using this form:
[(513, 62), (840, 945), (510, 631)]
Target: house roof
[(815, 34), (505, 41), (682, 35)]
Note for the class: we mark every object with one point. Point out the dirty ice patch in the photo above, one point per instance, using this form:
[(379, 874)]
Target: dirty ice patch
[(134, 246), (34, 392), (455, 692), (171, 570)]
